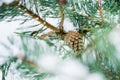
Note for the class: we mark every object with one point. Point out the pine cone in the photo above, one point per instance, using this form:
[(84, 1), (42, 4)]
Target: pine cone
[(74, 40)]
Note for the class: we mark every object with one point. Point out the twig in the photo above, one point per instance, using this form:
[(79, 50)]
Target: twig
[(62, 17), (100, 10), (43, 36), (23, 58)]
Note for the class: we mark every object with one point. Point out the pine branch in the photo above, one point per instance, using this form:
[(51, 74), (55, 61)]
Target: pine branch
[(39, 19), (107, 70), (33, 15), (100, 10)]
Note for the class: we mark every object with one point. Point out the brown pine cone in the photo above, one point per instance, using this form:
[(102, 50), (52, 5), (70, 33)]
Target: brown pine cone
[(74, 40)]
